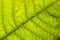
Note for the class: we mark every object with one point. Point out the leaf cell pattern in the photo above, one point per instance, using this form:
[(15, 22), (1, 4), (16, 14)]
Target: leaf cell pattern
[(29, 19)]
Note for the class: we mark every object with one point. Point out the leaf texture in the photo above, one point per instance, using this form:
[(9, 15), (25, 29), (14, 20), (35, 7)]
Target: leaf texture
[(29, 19)]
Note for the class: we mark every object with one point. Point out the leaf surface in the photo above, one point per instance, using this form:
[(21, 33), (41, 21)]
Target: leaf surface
[(29, 19)]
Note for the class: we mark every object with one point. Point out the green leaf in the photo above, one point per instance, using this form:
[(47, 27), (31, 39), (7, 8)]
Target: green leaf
[(29, 19)]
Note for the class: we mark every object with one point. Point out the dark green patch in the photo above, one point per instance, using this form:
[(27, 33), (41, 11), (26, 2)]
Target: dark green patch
[(58, 38)]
